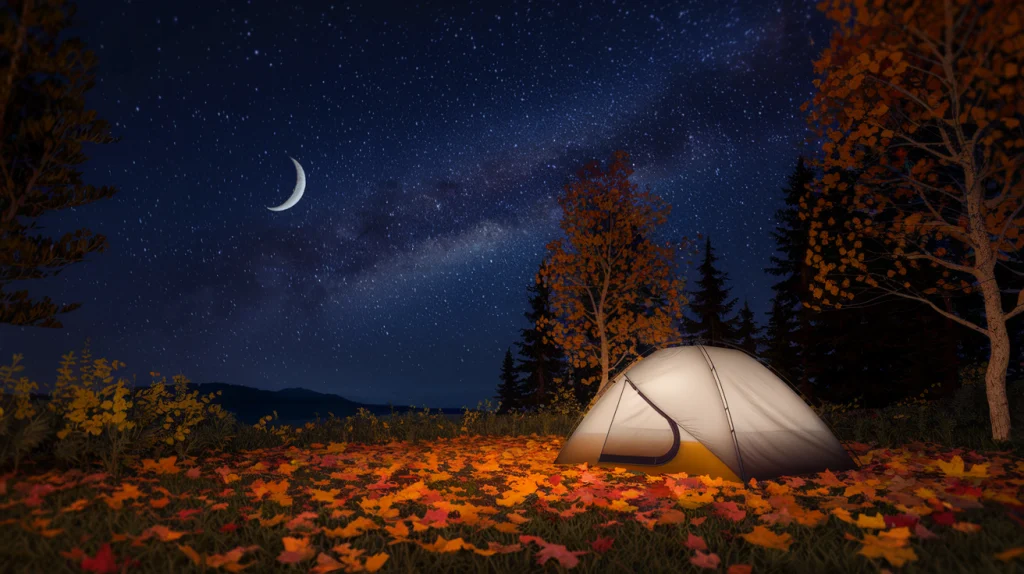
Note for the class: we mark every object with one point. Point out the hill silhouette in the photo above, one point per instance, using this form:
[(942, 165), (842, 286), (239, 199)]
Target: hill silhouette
[(294, 405)]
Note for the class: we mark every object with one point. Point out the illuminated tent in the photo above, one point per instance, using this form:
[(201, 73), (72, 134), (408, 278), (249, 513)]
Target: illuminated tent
[(704, 410)]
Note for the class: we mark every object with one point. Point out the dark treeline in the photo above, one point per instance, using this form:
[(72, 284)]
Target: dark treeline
[(879, 351)]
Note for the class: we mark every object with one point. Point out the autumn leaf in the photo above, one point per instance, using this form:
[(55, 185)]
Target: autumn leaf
[(761, 536), (558, 552), (739, 569), (955, 468), (376, 562), (877, 521), (161, 533), (891, 545), (1007, 555), (295, 550), (325, 563), (694, 542), (602, 544), (102, 563), (730, 511), (703, 560), (163, 466)]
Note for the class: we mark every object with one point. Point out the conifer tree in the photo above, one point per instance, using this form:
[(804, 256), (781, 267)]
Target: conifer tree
[(43, 126), (781, 352), (708, 319), (510, 392), (791, 324), (748, 332), (540, 359)]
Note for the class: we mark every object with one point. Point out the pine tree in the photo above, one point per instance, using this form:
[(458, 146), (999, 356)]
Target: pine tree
[(43, 126), (540, 360), (510, 391), (781, 352), (710, 306), (748, 333), (790, 323)]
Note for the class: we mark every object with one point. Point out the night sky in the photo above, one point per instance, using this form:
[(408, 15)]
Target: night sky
[(435, 139)]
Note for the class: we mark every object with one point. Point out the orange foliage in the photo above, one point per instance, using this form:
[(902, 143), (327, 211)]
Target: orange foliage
[(919, 108), (921, 112), (886, 503), (613, 288)]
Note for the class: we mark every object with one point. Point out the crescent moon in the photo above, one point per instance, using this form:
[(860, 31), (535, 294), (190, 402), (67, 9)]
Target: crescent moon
[(300, 187)]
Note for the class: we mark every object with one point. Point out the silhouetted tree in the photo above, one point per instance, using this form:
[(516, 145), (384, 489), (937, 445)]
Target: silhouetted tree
[(510, 390), (708, 319), (748, 333), (43, 124), (790, 323), (540, 359)]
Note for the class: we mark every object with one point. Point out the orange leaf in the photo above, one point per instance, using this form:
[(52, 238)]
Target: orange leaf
[(761, 536), (295, 550)]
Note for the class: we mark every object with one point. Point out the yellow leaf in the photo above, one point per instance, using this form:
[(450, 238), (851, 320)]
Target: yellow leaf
[(876, 521)]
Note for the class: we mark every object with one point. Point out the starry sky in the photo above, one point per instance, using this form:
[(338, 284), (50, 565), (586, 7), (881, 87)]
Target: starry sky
[(435, 138)]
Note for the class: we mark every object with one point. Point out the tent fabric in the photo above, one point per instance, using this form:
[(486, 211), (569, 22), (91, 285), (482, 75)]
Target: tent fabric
[(704, 410)]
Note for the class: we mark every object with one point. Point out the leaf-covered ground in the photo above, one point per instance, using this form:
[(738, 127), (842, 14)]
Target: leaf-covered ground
[(486, 504)]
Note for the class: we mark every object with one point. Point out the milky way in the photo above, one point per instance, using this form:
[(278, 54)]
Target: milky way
[(435, 139)]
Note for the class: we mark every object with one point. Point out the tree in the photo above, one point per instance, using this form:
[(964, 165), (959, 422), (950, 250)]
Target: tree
[(710, 304), (43, 126), (510, 391), (613, 288), (781, 350), (748, 333), (790, 322), (921, 108), (540, 360)]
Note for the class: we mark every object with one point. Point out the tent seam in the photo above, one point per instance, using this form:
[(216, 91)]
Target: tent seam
[(611, 422), (725, 405)]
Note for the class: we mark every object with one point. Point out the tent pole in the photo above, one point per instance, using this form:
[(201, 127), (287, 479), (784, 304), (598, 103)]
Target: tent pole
[(725, 404), (794, 389)]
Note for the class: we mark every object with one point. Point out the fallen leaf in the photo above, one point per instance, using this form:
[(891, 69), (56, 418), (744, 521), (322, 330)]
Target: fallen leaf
[(702, 560), (761, 536)]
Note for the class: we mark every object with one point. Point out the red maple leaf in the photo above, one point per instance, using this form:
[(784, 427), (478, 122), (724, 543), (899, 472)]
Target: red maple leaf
[(602, 544), (102, 563)]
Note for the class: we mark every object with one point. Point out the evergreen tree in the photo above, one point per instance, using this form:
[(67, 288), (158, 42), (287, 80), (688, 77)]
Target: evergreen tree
[(781, 352), (510, 391), (540, 360), (43, 126), (710, 305), (748, 333), (790, 324)]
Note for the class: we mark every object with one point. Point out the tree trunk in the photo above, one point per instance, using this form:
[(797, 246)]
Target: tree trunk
[(998, 361), (604, 356)]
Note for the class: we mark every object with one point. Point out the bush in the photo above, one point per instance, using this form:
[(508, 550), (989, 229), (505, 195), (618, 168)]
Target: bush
[(88, 417)]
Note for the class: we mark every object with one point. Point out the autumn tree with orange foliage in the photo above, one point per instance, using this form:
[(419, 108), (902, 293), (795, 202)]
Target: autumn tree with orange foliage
[(920, 105), (614, 290)]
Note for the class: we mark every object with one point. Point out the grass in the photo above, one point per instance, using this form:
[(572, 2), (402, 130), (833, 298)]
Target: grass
[(478, 493), (498, 477)]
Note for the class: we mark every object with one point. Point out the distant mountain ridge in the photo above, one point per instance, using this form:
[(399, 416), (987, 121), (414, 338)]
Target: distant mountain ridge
[(294, 405)]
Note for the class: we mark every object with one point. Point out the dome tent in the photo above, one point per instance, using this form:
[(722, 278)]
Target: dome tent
[(704, 410)]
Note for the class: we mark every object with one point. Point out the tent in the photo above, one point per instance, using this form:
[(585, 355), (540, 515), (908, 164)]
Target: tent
[(704, 410)]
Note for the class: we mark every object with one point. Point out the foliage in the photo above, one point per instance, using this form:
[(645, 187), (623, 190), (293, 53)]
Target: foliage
[(710, 304), (43, 126), (920, 106), (613, 288), (498, 504)]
